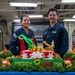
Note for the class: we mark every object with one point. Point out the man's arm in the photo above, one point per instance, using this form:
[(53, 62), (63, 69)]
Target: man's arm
[(64, 42)]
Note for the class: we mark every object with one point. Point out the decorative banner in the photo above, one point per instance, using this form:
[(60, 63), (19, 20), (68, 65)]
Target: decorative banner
[(36, 62), (33, 54)]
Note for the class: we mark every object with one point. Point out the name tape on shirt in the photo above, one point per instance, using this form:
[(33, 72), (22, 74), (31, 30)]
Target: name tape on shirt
[(15, 36), (54, 32)]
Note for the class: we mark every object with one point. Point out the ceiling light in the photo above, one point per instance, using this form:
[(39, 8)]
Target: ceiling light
[(31, 16), (0, 31), (73, 16), (17, 20), (68, 1), (23, 4), (69, 20), (35, 16)]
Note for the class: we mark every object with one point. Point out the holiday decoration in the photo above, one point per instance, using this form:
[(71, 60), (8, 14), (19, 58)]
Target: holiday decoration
[(22, 47), (29, 41), (67, 62), (8, 62), (36, 58), (74, 49), (69, 58), (5, 62)]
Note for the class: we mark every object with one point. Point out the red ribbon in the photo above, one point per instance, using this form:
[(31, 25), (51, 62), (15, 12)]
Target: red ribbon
[(22, 46)]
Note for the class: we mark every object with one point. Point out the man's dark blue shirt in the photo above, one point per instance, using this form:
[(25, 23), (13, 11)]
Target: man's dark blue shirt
[(59, 35)]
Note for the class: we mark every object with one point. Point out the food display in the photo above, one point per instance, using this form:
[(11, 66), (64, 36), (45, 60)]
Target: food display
[(49, 63), (39, 56), (37, 59)]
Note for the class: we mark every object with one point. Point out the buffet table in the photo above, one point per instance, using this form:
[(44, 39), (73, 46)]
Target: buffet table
[(37, 73)]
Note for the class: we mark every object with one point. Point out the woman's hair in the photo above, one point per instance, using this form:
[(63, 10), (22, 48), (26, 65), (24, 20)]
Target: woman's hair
[(53, 9), (24, 16)]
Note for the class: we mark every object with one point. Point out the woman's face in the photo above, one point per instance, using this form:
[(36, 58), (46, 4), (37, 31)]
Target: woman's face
[(25, 22)]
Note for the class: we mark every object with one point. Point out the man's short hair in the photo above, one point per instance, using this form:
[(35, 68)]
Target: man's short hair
[(53, 9)]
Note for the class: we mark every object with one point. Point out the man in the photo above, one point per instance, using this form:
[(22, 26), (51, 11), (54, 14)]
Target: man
[(56, 34)]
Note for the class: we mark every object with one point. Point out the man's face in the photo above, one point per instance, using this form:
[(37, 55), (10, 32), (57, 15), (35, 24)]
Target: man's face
[(25, 22), (52, 16)]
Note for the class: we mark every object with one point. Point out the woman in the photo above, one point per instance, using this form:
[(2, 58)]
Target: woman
[(14, 46)]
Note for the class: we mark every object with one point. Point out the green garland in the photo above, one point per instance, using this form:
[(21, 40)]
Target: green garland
[(20, 68), (40, 68)]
